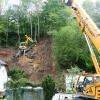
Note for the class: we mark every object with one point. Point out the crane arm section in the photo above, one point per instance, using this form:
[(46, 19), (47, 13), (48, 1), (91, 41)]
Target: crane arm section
[(86, 24), (89, 29)]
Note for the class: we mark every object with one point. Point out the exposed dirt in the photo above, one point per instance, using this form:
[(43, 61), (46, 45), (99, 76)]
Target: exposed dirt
[(6, 54), (37, 65)]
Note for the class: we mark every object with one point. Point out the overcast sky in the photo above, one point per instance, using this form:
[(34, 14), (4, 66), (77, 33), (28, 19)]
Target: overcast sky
[(11, 2)]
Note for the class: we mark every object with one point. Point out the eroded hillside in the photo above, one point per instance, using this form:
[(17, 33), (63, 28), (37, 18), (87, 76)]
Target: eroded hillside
[(36, 65)]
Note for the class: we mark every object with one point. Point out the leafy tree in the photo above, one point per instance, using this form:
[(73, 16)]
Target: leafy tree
[(49, 87), (3, 30), (54, 14), (69, 45), (25, 18)]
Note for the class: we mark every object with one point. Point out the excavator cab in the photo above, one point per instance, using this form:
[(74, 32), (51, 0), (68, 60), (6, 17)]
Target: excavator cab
[(28, 42), (22, 45), (25, 47)]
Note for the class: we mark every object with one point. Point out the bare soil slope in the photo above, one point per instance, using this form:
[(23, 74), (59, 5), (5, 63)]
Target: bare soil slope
[(38, 65)]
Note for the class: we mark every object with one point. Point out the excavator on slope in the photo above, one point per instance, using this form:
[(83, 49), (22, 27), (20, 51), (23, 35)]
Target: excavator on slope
[(25, 46), (88, 85)]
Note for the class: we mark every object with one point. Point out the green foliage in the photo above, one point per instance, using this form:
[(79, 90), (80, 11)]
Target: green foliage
[(74, 70), (60, 82), (16, 74), (20, 20), (17, 83), (49, 87), (18, 78), (68, 45), (55, 15)]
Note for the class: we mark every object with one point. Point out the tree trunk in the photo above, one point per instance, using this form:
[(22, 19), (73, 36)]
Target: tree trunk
[(6, 39), (0, 40), (31, 27), (35, 33), (38, 27), (7, 28), (18, 33)]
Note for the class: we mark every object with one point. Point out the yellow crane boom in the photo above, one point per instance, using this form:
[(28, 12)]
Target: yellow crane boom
[(86, 24), (91, 33), (88, 27)]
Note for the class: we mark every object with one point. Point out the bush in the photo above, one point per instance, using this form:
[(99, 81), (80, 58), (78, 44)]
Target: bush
[(60, 82), (19, 79), (16, 74), (74, 70), (17, 83), (49, 87)]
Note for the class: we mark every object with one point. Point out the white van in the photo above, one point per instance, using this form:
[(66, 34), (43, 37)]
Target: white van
[(61, 96)]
